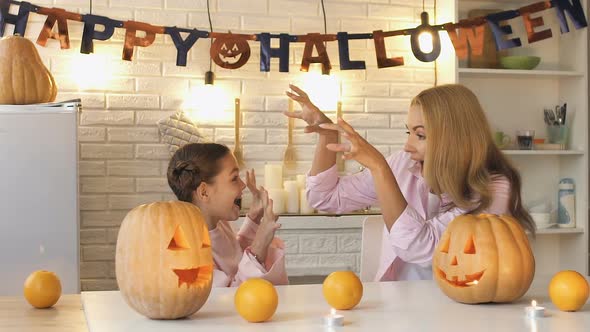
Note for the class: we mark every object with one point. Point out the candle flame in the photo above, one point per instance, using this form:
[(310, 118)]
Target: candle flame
[(534, 303), (332, 311)]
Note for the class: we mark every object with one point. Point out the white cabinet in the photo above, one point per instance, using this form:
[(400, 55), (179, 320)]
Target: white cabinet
[(515, 99), (39, 227)]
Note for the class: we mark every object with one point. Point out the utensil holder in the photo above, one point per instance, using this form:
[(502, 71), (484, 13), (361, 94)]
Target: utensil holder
[(558, 134)]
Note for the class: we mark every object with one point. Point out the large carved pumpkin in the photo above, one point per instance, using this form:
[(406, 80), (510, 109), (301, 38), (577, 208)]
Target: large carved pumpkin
[(164, 264), (483, 258), (24, 79)]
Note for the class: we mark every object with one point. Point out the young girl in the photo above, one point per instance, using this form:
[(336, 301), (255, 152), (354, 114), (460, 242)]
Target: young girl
[(449, 166), (207, 175)]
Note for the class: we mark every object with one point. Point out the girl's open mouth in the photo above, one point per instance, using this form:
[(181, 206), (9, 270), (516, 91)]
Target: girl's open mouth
[(238, 202)]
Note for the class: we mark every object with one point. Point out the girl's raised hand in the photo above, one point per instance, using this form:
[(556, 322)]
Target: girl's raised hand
[(266, 230), (257, 207)]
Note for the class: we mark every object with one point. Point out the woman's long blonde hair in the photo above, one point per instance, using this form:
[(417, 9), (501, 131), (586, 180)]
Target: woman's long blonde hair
[(461, 157)]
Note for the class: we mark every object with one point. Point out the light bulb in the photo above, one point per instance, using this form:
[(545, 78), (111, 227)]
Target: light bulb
[(323, 90), (208, 103), (425, 41), (90, 71)]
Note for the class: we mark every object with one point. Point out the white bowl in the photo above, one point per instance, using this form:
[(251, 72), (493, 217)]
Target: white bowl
[(541, 218)]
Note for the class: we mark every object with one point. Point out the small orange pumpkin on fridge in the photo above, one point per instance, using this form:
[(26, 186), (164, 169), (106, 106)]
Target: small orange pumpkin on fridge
[(164, 265), (483, 258), (23, 76)]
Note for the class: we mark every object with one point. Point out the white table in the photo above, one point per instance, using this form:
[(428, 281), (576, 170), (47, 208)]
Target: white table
[(390, 306)]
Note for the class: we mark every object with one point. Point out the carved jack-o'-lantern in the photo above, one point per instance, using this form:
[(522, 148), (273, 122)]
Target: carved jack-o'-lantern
[(164, 264), (230, 51), (484, 258)]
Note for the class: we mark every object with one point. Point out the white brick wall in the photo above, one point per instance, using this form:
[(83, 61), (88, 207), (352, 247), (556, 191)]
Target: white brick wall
[(122, 161)]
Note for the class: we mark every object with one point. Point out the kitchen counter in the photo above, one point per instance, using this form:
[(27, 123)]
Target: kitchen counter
[(16, 314), (391, 306)]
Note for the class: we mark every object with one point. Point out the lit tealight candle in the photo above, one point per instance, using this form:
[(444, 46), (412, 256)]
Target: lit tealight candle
[(534, 311), (472, 283), (333, 319)]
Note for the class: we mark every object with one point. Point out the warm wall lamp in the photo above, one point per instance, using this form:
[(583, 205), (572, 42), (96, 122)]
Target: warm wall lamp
[(425, 40)]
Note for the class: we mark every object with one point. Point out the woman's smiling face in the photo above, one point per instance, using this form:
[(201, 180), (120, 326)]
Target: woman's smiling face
[(416, 143)]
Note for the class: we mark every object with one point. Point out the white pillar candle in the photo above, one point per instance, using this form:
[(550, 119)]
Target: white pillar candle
[(301, 180), (273, 176), (292, 192), (278, 200), (304, 207)]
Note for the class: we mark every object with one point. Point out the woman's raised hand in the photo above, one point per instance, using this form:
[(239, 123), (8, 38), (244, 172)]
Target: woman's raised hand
[(357, 148), (310, 113)]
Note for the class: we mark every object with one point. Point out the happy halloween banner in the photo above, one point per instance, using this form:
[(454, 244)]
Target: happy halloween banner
[(232, 51)]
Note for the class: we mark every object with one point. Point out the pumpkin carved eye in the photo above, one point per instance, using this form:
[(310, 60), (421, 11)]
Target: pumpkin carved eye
[(235, 48), (469, 246), (223, 47), (179, 241)]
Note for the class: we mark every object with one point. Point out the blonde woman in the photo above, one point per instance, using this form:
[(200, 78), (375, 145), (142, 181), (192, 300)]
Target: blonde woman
[(449, 166)]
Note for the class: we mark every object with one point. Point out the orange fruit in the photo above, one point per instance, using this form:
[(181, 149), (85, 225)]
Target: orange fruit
[(256, 300), (42, 289), (568, 290), (342, 290)]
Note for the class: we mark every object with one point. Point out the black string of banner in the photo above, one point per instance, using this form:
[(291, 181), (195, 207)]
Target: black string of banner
[(466, 36)]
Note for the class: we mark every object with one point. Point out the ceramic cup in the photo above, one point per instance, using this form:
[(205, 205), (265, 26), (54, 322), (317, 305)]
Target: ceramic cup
[(502, 140)]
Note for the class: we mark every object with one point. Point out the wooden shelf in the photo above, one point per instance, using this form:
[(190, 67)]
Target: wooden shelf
[(485, 72), (557, 230), (542, 152)]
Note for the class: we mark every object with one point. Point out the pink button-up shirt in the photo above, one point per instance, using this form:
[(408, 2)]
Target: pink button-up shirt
[(234, 265), (407, 248)]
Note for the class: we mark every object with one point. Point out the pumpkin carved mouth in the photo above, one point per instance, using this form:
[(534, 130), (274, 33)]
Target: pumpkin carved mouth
[(470, 279), (231, 59), (196, 277)]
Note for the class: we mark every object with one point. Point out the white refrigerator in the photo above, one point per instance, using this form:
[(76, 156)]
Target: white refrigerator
[(39, 223)]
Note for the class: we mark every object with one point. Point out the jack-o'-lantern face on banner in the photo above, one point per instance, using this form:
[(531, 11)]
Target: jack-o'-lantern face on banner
[(483, 258), (230, 51)]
